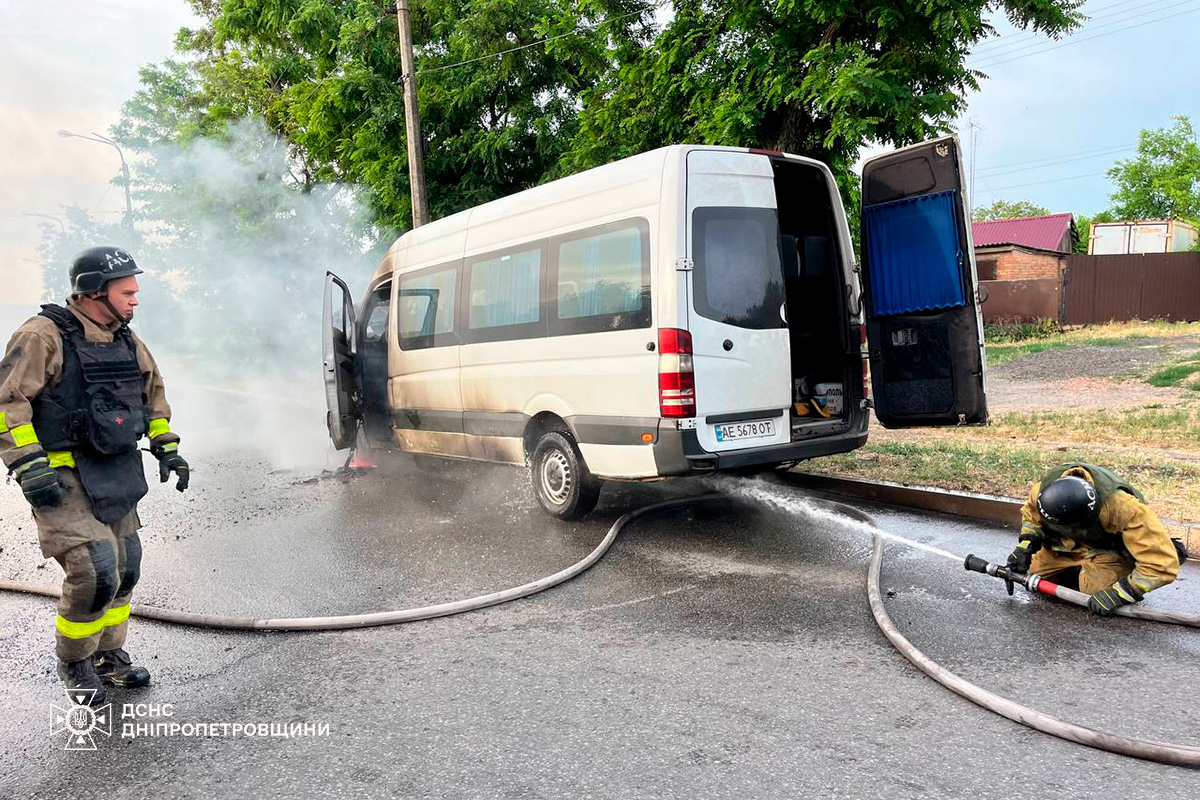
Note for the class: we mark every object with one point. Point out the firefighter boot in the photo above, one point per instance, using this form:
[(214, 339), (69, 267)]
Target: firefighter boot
[(115, 667), (82, 682)]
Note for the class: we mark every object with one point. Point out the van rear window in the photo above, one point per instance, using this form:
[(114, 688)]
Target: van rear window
[(738, 277)]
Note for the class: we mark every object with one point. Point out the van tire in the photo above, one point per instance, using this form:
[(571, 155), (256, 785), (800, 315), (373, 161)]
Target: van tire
[(561, 482)]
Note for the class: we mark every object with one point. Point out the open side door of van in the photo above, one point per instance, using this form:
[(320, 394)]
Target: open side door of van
[(920, 295), (339, 350)]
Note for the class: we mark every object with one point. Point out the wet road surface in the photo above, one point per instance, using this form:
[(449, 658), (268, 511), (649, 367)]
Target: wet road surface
[(718, 651)]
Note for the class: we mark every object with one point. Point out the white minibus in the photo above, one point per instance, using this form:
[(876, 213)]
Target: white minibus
[(683, 311)]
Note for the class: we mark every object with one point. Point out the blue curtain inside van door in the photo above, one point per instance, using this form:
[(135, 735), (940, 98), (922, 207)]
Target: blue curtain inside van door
[(915, 258)]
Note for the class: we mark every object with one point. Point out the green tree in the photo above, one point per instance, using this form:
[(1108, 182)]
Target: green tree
[(1004, 209), (580, 82), (1083, 224), (814, 77), (324, 75), (1163, 180)]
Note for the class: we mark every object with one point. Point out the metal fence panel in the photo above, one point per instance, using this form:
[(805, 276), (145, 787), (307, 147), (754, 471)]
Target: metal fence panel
[(1139, 286)]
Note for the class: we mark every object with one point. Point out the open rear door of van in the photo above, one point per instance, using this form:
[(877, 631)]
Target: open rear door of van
[(339, 349), (920, 292)]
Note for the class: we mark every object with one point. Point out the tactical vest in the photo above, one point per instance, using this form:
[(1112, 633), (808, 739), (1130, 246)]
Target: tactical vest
[(1107, 484), (97, 412)]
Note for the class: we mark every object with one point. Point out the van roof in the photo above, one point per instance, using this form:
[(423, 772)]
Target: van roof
[(607, 189)]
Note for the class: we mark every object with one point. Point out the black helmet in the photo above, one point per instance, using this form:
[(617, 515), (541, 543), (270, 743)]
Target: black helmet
[(1069, 500), (96, 266)]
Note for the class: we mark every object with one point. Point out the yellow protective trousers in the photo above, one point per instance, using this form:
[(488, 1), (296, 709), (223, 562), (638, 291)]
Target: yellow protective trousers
[(102, 565)]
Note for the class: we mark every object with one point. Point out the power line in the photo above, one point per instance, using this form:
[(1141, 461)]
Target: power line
[(577, 29), (1051, 163), (998, 46), (1043, 183), (1158, 8), (1085, 39), (572, 32), (1051, 158)]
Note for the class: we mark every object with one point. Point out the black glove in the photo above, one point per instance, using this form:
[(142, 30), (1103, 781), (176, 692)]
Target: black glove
[(39, 481), (170, 461), (1021, 558), (1106, 601)]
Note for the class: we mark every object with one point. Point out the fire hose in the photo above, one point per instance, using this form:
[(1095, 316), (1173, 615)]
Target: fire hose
[(1181, 755)]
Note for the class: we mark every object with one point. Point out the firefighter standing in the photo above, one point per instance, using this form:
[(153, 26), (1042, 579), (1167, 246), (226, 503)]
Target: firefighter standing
[(1082, 520), (78, 390)]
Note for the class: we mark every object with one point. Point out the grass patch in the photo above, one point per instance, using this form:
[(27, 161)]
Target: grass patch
[(998, 354), (1166, 428), (1178, 374), (1008, 342), (1172, 487)]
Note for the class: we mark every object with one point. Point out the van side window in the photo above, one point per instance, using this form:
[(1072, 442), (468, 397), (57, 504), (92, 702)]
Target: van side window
[(425, 308), (603, 279), (739, 279), (506, 290)]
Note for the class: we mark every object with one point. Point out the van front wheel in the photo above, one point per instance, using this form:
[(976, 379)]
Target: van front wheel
[(561, 482)]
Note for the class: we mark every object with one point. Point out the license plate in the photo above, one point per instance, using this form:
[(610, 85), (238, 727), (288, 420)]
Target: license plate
[(754, 429)]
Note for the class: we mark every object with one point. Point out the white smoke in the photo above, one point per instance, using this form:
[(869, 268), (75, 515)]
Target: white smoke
[(242, 246)]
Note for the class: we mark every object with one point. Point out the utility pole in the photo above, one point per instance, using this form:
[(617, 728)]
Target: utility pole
[(412, 117)]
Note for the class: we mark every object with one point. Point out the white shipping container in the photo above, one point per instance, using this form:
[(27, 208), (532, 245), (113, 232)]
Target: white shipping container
[(1144, 236)]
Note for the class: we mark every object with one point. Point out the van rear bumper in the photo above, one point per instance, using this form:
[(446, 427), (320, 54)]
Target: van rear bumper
[(678, 452)]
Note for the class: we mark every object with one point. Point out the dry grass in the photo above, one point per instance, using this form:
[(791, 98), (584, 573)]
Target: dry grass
[(1176, 430), (1157, 449), (1172, 486), (1112, 334)]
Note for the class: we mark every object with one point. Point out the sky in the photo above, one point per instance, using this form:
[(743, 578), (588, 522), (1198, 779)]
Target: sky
[(1044, 127)]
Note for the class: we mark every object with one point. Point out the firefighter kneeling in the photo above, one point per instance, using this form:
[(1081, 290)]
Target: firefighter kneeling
[(1082, 521), (78, 390)]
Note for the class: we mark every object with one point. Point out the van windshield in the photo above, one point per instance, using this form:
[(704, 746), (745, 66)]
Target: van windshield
[(739, 280)]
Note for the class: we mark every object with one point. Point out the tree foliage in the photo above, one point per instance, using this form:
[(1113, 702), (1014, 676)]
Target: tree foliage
[(1005, 209), (814, 77), (324, 75), (1163, 180)]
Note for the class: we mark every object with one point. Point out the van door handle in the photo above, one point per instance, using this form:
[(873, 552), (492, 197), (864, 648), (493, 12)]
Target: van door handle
[(727, 344)]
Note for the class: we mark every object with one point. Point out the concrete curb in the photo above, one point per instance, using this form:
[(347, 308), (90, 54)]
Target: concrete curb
[(1005, 510)]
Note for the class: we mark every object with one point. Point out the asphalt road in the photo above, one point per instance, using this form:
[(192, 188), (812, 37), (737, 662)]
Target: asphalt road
[(719, 651)]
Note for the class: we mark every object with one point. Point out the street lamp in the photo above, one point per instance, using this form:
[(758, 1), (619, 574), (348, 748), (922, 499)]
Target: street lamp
[(54, 217), (95, 137)]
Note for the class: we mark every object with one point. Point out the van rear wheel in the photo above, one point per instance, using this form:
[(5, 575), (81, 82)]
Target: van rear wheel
[(561, 481)]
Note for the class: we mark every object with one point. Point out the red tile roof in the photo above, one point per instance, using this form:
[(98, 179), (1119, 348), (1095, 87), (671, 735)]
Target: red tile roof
[(1044, 233)]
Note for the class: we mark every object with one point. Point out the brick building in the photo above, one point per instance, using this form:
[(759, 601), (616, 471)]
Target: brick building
[(1029, 248), (1021, 263)]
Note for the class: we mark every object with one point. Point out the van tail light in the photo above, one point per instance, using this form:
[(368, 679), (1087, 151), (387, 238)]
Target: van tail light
[(862, 349), (676, 377)]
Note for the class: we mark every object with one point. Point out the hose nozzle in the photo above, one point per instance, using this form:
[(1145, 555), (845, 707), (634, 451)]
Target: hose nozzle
[(976, 564)]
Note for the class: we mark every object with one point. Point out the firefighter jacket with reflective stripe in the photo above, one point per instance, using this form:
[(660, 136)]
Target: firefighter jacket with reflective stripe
[(33, 365), (1125, 525)]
